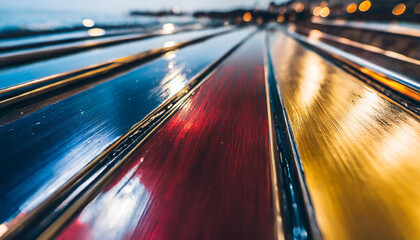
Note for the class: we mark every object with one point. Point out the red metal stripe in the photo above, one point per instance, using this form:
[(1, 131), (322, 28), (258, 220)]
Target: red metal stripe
[(204, 174)]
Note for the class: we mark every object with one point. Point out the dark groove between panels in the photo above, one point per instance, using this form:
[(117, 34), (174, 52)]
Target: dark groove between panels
[(297, 212)]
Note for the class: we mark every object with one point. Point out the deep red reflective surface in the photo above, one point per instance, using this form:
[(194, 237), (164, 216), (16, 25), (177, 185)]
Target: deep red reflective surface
[(204, 174)]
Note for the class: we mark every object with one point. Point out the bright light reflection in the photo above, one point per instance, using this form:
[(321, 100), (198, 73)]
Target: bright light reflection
[(176, 10), (169, 44), (96, 32), (3, 229), (168, 28), (314, 35), (364, 111), (88, 22), (115, 213), (74, 157), (169, 55), (171, 65), (174, 81), (397, 139), (280, 18), (176, 85), (313, 76)]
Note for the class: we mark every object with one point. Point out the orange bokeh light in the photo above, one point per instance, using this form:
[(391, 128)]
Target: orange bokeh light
[(365, 5), (417, 9), (247, 17), (317, 11), (352, 7), (399, 9), (325, 12), (299, 7)]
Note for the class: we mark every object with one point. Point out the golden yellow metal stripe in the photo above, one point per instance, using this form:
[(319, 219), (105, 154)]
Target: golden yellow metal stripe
[(360, 151)]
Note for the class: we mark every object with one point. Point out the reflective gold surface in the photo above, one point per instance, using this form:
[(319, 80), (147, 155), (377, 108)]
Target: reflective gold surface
[(359, 150)]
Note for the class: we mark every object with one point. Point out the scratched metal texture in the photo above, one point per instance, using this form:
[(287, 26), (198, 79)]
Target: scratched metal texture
[(204, 175), (42, 150), (360, 151)]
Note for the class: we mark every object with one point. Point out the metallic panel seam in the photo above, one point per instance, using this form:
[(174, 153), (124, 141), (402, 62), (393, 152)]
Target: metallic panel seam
[(288, 146), (278, 229)]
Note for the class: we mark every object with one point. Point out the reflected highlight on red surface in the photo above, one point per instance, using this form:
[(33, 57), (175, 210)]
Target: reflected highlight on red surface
[(204, 175)]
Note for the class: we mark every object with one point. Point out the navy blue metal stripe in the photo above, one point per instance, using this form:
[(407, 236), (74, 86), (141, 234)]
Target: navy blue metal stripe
[(74, 37), (72, 62), (34, 93)]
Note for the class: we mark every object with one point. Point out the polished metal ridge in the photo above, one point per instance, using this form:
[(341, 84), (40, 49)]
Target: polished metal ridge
[(401, 89), (40, 89), (8, 60), (111, 33), (274, 171), (388, 29), (34, 32), (46, 220), (299, 220), (367, 47)]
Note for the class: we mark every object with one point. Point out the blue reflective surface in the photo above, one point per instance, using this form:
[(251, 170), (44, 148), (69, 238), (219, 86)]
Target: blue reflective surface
[(12, 76), (42, 150)]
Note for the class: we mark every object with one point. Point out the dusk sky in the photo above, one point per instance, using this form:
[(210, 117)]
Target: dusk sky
[(126, 5)]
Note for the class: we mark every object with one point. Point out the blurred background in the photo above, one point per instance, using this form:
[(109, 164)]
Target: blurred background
[(28, 17)]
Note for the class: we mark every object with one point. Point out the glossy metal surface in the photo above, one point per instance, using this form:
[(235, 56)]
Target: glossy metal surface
[(396, 79), (18, 44), (47, 52), (44, 149), (391, 64), (393, 27), (22, 99), (359, 150), (204, 175), (20, 74)]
